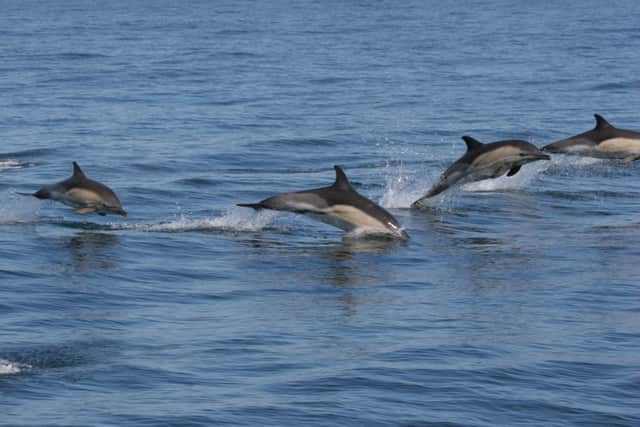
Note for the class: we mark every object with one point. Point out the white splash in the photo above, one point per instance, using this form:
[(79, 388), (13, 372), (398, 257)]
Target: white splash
[(15, 208), (376, 233), (569, 160), (522, 179), (402, 190), (11, 164), (235, 219), (12, 368)]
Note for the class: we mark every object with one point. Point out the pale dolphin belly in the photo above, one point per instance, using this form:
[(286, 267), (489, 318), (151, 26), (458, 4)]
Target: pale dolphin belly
[(354, 217)]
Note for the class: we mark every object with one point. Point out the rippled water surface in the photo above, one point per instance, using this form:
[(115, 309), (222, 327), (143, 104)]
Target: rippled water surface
[(515, 301)]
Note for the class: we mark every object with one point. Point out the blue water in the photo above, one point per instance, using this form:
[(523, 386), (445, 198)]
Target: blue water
[(515, 302)]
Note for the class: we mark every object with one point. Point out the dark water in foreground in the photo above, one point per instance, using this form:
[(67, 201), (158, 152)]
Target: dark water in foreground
[(515, 302)]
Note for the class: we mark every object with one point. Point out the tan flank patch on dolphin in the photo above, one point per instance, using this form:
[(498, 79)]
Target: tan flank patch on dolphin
[(623, 145), (82, 195), (501, 154)]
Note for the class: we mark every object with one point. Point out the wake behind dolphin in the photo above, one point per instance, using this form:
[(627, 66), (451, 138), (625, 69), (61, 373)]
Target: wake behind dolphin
[(339, 205), (603, 141), (83, 194), (484, 161)]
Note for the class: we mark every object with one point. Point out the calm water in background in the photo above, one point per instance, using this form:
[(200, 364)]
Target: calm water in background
[(515, 302)]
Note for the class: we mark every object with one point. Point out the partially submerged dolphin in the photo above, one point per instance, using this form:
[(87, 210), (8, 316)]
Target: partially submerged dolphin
[(83, 194), (602, 141), (339, 205), (484, 161)]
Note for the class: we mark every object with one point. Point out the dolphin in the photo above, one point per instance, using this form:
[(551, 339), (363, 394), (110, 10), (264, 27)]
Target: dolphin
[(339, 205), (484, 161), (602, 141), (83, 194)]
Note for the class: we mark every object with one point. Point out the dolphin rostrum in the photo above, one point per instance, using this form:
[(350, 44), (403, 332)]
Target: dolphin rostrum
[(339, 205), (484, 161), (602, 141), (83, 194)]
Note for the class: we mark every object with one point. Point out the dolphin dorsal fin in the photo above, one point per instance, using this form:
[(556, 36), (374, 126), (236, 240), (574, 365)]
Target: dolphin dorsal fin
[(77, 172), (601, 123), (472, 143), (342, 182)]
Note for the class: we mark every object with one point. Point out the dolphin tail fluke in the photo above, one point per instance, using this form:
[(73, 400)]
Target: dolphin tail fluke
[(256, 206), (41, 194)]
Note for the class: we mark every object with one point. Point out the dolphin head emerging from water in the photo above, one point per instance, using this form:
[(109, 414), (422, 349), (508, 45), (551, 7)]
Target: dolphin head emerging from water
[(603, 140), (339, 205), (484, 161), (83, 194)]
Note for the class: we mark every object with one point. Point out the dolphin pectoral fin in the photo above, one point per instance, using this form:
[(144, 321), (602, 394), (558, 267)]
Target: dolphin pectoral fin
[(500, 171), (631, 158), (514, 170), (84, 211)]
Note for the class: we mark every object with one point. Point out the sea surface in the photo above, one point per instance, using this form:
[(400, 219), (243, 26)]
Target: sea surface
[(515, 302)]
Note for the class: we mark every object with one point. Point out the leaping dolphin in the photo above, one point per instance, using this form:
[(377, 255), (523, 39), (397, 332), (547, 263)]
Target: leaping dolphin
[(339, 205), (83, 194), (602, 141), (484, 161)]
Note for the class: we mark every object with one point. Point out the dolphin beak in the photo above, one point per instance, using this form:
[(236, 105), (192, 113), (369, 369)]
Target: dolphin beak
[(123, 212), (541, 156)]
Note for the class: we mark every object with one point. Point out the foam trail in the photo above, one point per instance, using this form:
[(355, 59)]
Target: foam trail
[(235, 219), (15, 208), (12, 368)]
